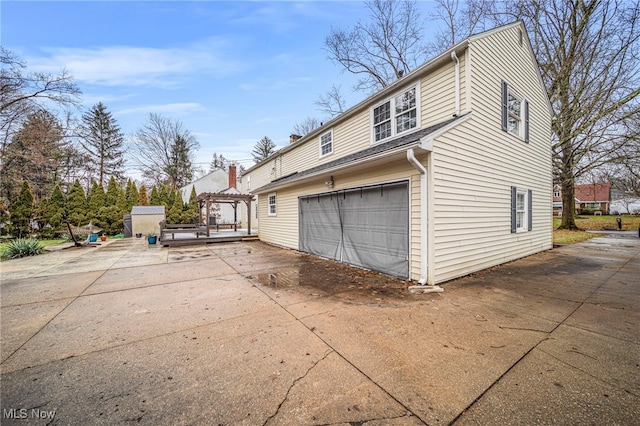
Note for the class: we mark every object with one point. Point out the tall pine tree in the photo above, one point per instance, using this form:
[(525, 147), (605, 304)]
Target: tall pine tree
[(104, 143), (131, 196), (54, 208), (155, 199), (21, 210), (76, 205), (143, 200), (95, 201)]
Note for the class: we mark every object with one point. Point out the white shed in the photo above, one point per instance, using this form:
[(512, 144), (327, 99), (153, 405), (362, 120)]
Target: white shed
[(146, 220)]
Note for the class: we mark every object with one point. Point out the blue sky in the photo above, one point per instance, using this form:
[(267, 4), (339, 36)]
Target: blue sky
[(231, 72)]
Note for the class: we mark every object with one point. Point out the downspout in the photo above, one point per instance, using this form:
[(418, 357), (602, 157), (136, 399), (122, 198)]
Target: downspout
[(423, 227), (457, 82)]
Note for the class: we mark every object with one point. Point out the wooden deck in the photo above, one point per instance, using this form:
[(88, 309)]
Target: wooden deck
[(172, 238)]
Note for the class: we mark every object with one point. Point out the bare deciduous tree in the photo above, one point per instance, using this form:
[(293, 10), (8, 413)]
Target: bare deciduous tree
[(587, 55), (384, 49), (587, 51), (461, 19), (23, 92), (308, 125), (163, 151), (331, 103)]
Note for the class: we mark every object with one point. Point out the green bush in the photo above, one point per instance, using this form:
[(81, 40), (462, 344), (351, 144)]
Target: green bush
[(22, 247)]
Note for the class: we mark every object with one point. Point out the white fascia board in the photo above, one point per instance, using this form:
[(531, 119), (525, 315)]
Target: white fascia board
[(426, 143)]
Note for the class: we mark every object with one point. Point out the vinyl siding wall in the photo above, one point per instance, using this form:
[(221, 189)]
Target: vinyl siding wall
[(475, 165)]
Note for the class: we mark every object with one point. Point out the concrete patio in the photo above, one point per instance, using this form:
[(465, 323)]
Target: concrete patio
[(247, 333)]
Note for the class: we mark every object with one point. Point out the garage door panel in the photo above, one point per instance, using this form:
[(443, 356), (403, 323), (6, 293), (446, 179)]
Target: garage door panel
[(367, 227), (320, 227)]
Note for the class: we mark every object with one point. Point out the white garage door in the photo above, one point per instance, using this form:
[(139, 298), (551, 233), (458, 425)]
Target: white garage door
[(367, 227)]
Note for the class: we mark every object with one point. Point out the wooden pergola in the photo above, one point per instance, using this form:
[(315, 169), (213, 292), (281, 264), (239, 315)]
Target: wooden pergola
[(206, 199)]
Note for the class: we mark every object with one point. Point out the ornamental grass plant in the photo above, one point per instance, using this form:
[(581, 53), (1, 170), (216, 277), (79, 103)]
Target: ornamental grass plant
[(22, 247)]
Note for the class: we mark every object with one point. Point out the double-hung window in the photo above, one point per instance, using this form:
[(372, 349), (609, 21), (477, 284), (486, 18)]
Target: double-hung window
[(515, 113), (396, 115), (326, 143), (272, 204), (521, 210)]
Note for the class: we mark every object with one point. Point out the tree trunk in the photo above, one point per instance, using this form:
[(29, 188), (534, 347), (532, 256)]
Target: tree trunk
[(568, 205)]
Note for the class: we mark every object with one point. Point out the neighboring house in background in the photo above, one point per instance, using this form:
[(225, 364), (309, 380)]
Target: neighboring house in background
[(625, 205), (146, 220), (557, 200), (593, 197), (218, 181), (589, 198), (445, 172)]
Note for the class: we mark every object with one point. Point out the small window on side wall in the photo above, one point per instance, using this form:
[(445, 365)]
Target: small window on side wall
[(515, 113), (521, 210), (326, 143), (272, 204)]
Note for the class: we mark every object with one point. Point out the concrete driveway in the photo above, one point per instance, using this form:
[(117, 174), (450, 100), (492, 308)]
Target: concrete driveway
[(246, 333)]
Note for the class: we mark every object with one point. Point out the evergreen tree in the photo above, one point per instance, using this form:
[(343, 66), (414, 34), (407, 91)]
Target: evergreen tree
[(163, 196), (34, 154), (113, 189), (171, 197), (175, 212), (155, 199), (263, 149), (218, 162), (95, 201), (104, 143), (192, 210), (21, 210), (54, 208), (131, 196), (76, 204), (180, 169), (143, 200)]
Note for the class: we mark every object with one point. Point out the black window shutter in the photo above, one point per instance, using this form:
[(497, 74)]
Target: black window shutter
[(504, 106), (513, 209), (529, 210), (526, 121)]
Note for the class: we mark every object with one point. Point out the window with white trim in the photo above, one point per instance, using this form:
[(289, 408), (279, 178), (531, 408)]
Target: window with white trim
[(272, 204), (521, 210), (396, 115), (326, 143), (515, 112)]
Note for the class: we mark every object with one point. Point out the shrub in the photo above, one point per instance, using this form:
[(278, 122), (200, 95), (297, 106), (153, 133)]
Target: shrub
[(22, 247)]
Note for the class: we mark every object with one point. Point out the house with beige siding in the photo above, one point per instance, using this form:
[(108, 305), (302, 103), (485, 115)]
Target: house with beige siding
[(445, 172)]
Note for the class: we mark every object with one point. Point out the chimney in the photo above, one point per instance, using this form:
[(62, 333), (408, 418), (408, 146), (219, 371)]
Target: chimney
[(232, 176), (293, 138)]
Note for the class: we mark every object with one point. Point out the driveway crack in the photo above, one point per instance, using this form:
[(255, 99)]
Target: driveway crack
[(286, 396)]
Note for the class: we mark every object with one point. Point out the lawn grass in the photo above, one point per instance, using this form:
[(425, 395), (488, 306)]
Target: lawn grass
[(600, 223), (563, 236), (592, 223)]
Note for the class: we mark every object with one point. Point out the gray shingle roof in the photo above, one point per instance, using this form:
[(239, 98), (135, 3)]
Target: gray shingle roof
[(147, 210), (377, 149)]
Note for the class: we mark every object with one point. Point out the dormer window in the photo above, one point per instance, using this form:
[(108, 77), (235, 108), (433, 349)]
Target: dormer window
[(396, 115)]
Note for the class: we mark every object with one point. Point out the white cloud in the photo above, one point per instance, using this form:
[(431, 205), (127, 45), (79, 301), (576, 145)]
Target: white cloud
[(139, 66), (179, 108)]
